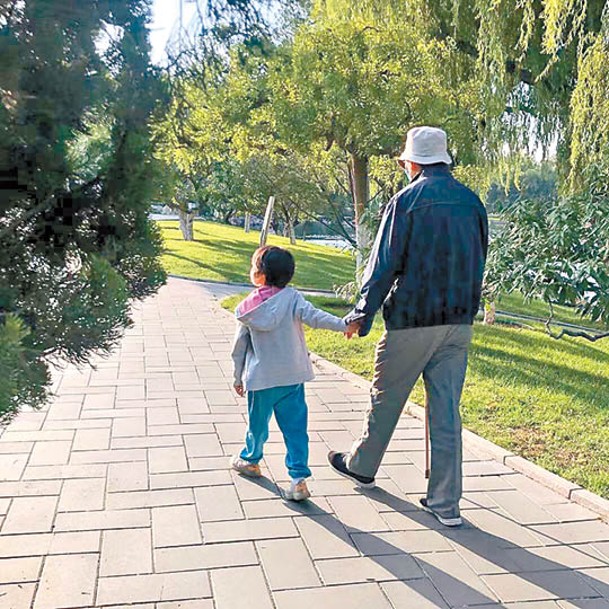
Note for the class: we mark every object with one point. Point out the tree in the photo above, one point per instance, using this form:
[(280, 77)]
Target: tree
[(558, 252), (77, 177), (358, 79)]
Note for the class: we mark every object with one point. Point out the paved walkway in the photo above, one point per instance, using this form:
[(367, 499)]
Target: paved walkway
[(119, 495)]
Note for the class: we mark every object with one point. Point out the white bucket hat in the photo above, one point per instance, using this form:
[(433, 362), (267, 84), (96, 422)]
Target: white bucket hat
[(425, 146)]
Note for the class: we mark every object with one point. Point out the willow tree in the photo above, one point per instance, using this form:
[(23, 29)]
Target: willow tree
[(77, 177)]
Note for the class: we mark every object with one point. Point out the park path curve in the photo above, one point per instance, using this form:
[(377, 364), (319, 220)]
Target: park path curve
[(119, 495)]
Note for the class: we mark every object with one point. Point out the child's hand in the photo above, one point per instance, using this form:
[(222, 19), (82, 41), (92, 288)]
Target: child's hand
[(239, 389), (352, 328)]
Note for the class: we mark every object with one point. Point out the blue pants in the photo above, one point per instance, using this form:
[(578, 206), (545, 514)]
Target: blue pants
[(288, 404)]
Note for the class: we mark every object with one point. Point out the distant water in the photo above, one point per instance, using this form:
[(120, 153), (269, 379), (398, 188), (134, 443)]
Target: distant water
[(336, 242)]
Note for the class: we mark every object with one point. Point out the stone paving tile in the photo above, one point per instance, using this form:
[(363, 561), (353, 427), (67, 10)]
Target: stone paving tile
[(357, 514), (325, 537), (109, 456), (218, 503), (287, 564), (12, 466), (91, 439), (356, 596), (41, 544), (419, 593), (598, 579), (128, 428), (248, 530), (101, 520), (127, 552), (67, 581), (189, 479), (85, 494), (277, 508), (196, 557), (20, 570), (143, 499), (575, 532), (127, 477), (175, 526), (505, 531), (131, 589), (241, 588), (30, 515), (65, 472), (539, 586), (598, 603), (409, 542), (363, 569), (167, 459), (163, 416), (16, 595), (36, 436), (455, 580), (15, 448), (198, 604)]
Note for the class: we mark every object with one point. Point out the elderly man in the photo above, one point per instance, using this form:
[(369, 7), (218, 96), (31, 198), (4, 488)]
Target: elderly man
[(426, 270)]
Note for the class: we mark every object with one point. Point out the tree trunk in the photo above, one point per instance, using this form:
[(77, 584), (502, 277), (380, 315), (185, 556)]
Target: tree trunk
[(187, 224), (490, 313), (248, 221), (291, 233), (288, 228), (360, 190)]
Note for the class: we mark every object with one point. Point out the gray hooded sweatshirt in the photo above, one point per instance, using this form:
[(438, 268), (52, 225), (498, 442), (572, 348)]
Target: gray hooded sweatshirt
[(269, 349)]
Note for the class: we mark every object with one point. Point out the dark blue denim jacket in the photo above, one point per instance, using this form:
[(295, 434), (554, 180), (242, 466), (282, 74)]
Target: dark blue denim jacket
[(427, 262)]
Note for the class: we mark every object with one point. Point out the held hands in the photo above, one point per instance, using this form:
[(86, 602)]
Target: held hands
[(239, 390), (352, 328)]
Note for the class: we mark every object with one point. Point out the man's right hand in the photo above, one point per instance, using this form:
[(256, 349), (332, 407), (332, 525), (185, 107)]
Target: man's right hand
[(239, 389)]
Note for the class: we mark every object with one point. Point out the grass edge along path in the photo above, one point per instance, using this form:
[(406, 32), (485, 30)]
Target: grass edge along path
[(543, 399)]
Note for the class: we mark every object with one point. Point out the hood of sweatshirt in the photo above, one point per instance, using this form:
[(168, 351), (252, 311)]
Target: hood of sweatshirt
[(268, 315)]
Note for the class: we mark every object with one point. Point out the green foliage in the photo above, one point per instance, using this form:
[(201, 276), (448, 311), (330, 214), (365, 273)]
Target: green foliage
[(24, 378), (556, 250), (77, 178)]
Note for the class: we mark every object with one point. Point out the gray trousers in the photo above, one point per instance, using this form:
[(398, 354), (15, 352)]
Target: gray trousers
[(439, 353)]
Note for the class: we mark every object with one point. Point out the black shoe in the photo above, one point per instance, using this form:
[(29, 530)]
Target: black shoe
[(338, 463), (447, 522)]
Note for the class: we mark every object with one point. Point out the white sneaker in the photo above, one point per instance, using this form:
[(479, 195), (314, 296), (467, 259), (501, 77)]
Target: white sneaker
[(298, 491), (245, 467), (447, 522)]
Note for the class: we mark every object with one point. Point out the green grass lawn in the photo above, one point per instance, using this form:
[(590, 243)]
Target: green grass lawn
[(222, 253), (544, 399)]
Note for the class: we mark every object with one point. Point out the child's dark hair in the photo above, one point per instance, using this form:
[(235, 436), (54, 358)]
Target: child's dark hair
[(276, 264)]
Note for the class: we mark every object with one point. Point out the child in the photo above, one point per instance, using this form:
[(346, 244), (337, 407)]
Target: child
[(272, 364)]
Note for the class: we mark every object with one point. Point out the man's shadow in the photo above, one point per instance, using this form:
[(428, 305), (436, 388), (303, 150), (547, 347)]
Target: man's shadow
[(423, 573)]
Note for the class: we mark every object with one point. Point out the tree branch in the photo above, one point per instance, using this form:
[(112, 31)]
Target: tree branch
[(574, 333)]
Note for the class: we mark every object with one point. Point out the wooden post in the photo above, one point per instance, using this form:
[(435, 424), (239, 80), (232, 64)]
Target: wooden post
[(248, 220), (268, 216)]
